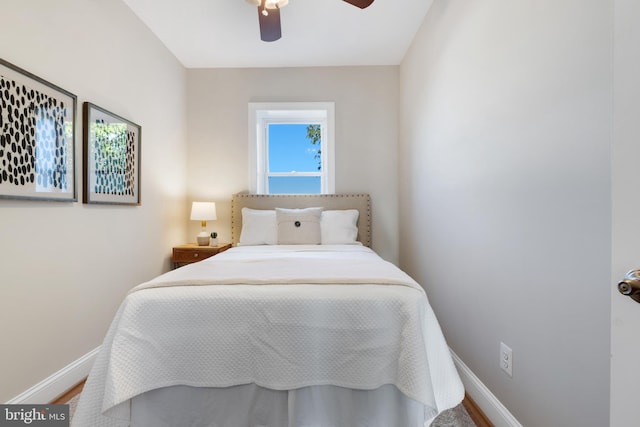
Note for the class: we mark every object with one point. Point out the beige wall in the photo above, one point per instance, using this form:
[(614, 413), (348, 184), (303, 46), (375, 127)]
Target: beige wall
[(505, 196), (366, 100), (64, 267)]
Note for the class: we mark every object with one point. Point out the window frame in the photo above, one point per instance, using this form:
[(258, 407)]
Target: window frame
[(261, 114)]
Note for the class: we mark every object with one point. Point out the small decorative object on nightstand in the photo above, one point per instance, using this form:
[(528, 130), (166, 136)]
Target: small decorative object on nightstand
[(214, 239), (192, 252)]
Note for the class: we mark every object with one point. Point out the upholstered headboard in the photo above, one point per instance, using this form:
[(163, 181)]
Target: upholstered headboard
[(361, 202)]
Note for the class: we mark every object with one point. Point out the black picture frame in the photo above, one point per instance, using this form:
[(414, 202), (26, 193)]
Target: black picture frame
[(111, 157), (37, 138)]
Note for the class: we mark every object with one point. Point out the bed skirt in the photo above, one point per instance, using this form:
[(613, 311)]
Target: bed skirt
[(254, 406)]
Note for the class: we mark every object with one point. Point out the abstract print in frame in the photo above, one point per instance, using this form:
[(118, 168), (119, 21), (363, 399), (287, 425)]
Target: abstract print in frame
[(37, 137), (111, 158)]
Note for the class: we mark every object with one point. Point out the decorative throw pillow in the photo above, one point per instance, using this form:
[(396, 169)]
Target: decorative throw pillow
[(298, 226), (259, 227), (339, 227)]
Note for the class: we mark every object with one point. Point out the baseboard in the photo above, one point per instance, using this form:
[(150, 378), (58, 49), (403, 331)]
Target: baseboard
[(50, 388), (482, 396)]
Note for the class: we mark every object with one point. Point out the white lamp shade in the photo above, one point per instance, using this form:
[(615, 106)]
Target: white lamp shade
[(203, 211)]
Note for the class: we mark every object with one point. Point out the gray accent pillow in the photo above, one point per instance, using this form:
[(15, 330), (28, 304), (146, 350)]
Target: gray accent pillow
[(299, 226)]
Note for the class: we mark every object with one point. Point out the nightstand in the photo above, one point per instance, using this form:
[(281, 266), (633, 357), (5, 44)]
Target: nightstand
[(192, 252)]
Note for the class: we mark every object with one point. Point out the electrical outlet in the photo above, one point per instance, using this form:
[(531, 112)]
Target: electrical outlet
[(506, 359)]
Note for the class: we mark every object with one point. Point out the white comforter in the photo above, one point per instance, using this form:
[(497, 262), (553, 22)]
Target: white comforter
[(279, 317)]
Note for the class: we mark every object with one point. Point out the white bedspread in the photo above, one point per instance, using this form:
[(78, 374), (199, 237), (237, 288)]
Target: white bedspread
[(279, 317)]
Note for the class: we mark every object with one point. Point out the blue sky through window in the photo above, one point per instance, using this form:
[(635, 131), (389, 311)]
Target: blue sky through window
[(290, 150), (294, 185)]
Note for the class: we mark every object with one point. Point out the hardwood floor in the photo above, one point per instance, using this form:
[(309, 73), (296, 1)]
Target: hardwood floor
[(70, 394), (478, 417)]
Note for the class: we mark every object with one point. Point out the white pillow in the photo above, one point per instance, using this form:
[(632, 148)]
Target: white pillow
[(339, 227), (298, 226), (259, 227)]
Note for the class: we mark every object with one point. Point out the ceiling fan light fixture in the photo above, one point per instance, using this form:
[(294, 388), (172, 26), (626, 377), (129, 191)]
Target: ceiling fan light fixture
[(269, 4), (269, 16), (275, 4)]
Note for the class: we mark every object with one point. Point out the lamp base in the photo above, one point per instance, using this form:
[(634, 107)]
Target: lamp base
[(203, 239)]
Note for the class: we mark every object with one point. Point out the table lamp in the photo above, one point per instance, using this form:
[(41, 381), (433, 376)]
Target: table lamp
[(202, 211)]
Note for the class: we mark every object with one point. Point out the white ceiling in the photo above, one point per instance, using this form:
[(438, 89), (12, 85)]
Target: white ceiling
[(225, 33)]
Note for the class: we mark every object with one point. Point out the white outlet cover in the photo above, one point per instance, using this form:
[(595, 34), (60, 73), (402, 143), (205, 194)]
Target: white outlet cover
[(506, 359)]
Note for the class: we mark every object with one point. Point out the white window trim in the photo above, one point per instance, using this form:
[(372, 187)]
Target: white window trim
[(271, 112)]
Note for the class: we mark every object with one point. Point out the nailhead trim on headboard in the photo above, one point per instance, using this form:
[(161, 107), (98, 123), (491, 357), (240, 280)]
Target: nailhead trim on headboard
[(359, 201)]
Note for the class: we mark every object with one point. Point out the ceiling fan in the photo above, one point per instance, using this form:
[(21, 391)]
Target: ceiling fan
[(269, 16)]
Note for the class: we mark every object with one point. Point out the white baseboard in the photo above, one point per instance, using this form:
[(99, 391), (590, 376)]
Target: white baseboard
[(57, 384), (497, 413)]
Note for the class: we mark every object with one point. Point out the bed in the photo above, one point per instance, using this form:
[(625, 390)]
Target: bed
[(301, 323)]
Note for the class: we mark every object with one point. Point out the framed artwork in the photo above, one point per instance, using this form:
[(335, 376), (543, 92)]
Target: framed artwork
[(37, 138), (111, 158)]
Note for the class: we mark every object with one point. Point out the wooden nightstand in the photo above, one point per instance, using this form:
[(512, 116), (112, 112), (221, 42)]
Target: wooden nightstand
[(191, 252)]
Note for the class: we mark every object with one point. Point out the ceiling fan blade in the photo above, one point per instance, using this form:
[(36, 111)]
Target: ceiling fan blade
[(270, 29), (360, 3)]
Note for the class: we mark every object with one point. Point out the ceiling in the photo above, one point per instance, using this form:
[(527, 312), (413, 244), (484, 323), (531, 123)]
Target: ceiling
[(225, 33)]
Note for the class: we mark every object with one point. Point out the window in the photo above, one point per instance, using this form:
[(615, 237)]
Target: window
[(291, 148)]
